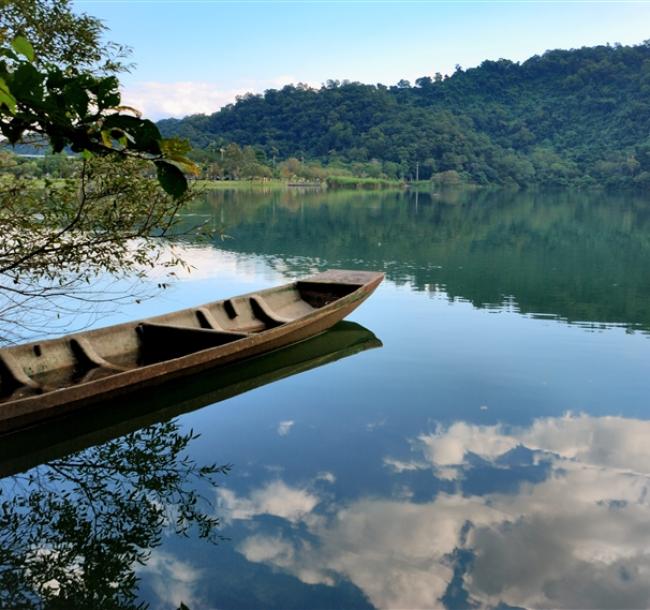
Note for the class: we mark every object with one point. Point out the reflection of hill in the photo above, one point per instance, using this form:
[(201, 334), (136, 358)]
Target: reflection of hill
[(32, 447), (575, 255)]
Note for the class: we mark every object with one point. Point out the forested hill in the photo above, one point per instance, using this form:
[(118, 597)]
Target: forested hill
[(567, 117)]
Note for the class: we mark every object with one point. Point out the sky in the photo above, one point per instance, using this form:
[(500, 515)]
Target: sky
[(194, 56)]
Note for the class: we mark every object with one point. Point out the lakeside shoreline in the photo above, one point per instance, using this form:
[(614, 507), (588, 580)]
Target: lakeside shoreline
[(332, 183)]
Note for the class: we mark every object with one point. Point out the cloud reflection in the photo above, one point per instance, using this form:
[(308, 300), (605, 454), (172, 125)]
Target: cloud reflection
[(284, 427), (276, 499), (172, 580), (575, 539)]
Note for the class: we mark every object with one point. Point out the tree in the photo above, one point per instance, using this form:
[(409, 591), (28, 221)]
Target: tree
[(61, 36), (75, 108), (109, 216), (54, 241)]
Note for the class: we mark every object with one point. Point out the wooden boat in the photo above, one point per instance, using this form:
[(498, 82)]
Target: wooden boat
[(48, 378), (26, 448)]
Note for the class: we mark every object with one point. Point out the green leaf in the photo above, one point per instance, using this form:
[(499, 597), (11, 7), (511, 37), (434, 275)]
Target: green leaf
[(171, 179), (55, 78), (6, 52), (107, 140), (185, 164), (148, 137), (14, 130), (76, 97), (6, 98), (22, 46), (175, 147), (107, 91), (143, 133), (130, 109), (26, 82)]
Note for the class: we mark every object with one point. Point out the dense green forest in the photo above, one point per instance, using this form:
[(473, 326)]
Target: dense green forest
[(568, 117)]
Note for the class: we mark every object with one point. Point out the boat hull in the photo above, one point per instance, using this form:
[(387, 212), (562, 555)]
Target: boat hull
[(28, 410)]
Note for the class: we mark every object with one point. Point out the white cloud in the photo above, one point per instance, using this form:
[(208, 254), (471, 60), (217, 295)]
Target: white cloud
[(284, 427), (273, 549), (394, 551), (281, 553), (326, 476), (172, 580), (448, 447), (576, 539), (403, 466), (157, 100), (613, 442), (276, 498), (374, 425)]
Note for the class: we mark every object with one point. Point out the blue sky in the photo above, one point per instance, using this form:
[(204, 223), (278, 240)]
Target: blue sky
[(194, 56)]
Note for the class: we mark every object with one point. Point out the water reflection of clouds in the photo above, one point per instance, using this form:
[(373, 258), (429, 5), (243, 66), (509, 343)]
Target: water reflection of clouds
[(276, 499), (206, 262), (611, 442), (394, 551), (284, 427), (172, 580), (575, 537)]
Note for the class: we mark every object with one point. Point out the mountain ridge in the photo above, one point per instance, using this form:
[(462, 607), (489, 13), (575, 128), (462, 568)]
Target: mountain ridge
[(578, 116)]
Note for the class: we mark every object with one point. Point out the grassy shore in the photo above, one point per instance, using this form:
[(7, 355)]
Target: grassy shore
[(240, 184), (332, 182), (352, 182)]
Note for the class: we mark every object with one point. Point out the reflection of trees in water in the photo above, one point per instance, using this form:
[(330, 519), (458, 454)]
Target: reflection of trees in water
[(576, 255), (72, 531)]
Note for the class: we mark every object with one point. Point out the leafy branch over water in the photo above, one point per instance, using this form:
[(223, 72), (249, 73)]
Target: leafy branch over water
[(72, 107), (59, 89)]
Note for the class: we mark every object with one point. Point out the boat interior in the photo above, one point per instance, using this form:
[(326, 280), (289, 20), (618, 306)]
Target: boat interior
[(35, 368)]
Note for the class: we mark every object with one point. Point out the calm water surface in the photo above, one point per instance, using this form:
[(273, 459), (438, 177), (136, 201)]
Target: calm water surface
[(478, 438)]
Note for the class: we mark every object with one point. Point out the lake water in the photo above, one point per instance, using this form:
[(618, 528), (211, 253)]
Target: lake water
[(475, 436)]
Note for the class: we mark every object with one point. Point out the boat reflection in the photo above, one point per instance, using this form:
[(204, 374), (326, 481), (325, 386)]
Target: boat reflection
[(23, 450)]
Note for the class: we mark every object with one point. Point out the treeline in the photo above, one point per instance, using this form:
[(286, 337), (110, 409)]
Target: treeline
[(38, 165), (229, 162), (578, 117), (221, 161)]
